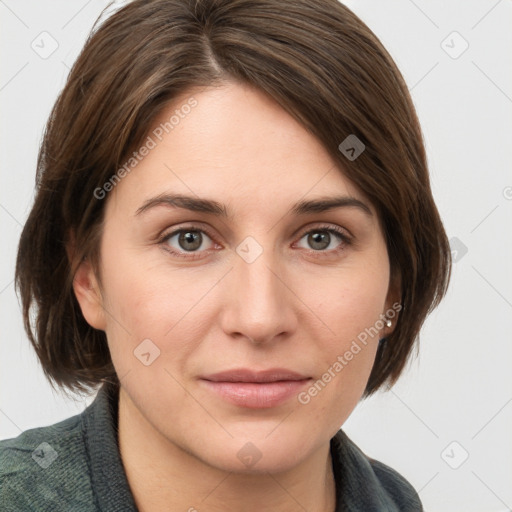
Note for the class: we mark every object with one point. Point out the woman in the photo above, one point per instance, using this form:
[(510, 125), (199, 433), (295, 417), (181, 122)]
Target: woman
[(235, 239)]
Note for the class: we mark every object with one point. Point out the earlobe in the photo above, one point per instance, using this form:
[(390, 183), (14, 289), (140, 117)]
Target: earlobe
[(88, 295), (393, 305)]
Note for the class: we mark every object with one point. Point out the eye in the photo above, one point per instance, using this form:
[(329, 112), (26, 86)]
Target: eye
[(185, 240), (326, 239), (191, 241)]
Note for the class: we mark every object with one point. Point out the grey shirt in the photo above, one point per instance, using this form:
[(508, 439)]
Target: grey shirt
[(75, 466)]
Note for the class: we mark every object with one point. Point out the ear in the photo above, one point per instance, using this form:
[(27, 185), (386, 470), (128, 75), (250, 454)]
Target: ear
[(88, 294), (393, 303)]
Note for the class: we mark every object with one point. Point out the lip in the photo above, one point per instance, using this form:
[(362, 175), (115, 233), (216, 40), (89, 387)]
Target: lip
[(256, 389), (247, 375)]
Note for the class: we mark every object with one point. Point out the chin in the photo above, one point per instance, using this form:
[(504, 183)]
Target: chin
[(272, 453)]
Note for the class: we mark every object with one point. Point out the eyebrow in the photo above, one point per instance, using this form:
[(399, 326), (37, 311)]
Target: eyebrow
[(196, 204)]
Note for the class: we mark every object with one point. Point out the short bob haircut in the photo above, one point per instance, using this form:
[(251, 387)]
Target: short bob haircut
[(316, 58)]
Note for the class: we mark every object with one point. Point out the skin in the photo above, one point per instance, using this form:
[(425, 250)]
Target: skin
[(293, 307)]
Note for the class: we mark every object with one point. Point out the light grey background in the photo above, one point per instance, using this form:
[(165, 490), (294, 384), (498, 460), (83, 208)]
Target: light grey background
[(456, 398)]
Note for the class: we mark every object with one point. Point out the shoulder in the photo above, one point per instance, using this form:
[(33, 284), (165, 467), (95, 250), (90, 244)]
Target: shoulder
[(367, 484), (46, 465)]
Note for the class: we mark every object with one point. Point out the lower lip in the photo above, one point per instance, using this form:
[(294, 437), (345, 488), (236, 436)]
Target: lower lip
[(257, 395)]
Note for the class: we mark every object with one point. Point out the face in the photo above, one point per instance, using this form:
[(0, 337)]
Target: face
[(234, 316)]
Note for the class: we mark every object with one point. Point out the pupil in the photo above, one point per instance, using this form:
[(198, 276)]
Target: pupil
[(190, 237), (316, 240)]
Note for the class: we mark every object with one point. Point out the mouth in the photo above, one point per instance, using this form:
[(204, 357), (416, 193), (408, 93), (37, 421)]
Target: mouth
[(256, 389)]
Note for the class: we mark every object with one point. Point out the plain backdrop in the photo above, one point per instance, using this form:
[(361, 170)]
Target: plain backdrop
[(447, 424)]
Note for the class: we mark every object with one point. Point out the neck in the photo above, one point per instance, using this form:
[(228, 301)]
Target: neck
[(163, 476)]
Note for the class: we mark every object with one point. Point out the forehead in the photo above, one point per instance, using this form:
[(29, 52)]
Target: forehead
[(234, 144)]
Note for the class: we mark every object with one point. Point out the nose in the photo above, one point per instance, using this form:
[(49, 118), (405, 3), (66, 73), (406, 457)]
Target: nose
[(258, 301)]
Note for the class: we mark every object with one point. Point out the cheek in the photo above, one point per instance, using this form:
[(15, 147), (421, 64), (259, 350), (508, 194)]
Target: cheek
[(349, 303), (348, 300), (146, 299)]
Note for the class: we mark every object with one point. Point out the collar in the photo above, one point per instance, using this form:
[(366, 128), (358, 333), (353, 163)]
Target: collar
[(362, 484), (108, 479)]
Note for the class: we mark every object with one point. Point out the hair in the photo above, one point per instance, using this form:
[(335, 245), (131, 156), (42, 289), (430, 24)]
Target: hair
[(316, 58)]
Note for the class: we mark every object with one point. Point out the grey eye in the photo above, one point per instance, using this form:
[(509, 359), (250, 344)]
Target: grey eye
[(188, 240), (319, 240)]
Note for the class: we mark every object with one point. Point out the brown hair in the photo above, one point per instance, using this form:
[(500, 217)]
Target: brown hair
[(316, 58)]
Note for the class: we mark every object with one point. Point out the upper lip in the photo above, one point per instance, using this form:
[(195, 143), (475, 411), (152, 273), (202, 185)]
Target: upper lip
[(246, 375)]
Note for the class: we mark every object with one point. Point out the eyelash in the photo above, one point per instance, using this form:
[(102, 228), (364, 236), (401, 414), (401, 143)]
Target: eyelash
[(337, 232)]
